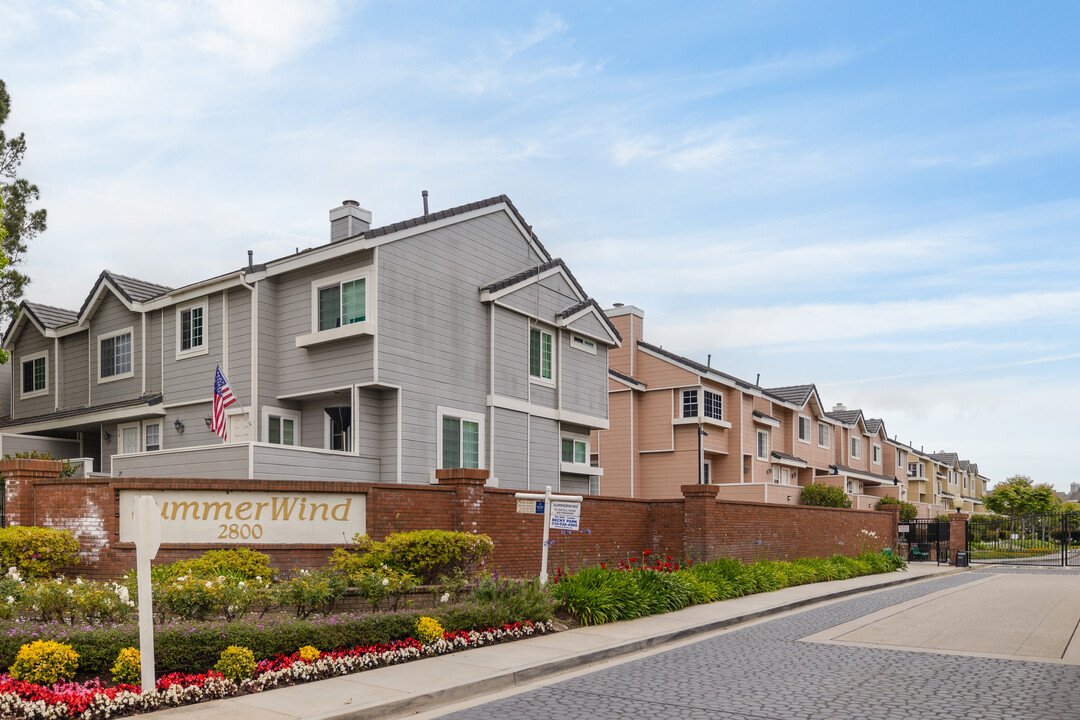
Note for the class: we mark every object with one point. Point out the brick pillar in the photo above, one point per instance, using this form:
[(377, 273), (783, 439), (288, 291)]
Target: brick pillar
[(957, 535), (698, 502), (894, 538), (19, 478), (468, 484)]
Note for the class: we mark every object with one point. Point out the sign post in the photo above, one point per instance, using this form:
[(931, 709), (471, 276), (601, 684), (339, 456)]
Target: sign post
[(147, 542), (560, 511)]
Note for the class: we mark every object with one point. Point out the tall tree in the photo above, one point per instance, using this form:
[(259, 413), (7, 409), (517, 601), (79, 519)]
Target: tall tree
[(20, 221), (1019, 496)]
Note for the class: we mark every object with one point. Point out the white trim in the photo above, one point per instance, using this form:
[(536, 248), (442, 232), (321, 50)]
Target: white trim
[(524, 406), (580, 342), (204, 347), (478, 418), (492, 295), (700, 420), (828, 434), (44, 354), (757, 446), (580, 469), (855, 446), (160, 422), (285, 414), (809, 427), (770, 421), (130, 330), (801, 464), (876, 450), (540, 379)]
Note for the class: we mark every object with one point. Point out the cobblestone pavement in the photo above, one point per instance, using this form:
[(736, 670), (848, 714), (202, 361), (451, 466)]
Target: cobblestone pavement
[(762, 672)]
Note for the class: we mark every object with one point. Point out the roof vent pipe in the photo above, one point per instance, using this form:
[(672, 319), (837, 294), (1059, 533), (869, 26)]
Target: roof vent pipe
[(423, 194), (757, 383), (251, 260), (708, 361)]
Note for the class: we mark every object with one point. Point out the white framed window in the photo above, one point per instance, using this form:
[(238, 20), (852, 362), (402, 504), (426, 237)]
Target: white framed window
[(913, 470), (460, 439), (541, 355), (706, 472), (115, 356), (583, 343), (689, 403), (281, 426), (822, 435), (875, 455), (341, 302), (856, 448), (35, 374), (781, 475), (151, 431), (712, 405), (804, 429), (763, 444), (191, 330), (575, 450)]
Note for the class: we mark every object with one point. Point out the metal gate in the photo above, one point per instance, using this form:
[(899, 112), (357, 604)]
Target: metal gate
[(1029, 540), (925, 540)]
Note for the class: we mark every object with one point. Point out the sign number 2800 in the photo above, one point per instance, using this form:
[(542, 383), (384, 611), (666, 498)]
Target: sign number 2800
[(243, 531)]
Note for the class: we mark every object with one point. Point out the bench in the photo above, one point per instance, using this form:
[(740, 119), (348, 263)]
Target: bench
[(918, 553)]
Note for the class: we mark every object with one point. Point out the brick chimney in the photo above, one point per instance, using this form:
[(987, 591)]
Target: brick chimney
[(348, 220)]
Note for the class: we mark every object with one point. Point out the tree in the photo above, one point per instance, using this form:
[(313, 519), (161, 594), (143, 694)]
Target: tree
[(20, 222), (1019, 496)]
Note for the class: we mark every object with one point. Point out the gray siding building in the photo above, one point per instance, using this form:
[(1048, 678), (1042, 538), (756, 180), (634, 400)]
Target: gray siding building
[(448, 340)]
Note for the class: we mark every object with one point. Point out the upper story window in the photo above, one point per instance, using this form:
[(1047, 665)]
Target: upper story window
[(804, 429), (763, 444), (151, 436), (876, 454), (460, 439), (913, 469), (689, 403), (822, 435), (114, 356), (280, 426), (191, 330), (713, 404), (342, 303), (856, 448), (34, 376), (541, 359), (574, 451), (583, 343)]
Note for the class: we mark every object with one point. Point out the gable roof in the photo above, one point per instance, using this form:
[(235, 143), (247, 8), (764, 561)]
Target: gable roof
[(797, 394), (131, 290), (706, 370), (49, 316), (947, 458), (848, 417)]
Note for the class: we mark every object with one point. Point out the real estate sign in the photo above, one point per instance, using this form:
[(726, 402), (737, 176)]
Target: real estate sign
[(243, 517)]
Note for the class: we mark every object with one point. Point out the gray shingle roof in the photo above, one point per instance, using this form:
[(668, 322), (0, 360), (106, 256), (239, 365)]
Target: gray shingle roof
[(50, 317), (136, 290), (793, 393), (785, 456), (946, 457), (848, 417), (846, 469), (763, 416), (148, 400), (703, 369), (874, 424), (625, 378)]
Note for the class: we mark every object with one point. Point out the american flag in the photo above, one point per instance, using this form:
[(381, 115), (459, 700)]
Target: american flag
[(223, 398)]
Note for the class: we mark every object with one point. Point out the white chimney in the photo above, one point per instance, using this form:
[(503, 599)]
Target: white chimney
[(839, 407), (348, 220)]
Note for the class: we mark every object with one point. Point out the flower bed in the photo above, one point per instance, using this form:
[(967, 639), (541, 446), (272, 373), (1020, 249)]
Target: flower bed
[(89, 701)]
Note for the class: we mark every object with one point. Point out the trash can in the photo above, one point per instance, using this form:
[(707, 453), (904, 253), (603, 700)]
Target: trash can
[(961, 558)]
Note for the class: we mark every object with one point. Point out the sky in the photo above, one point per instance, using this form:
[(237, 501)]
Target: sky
[(882, 199)]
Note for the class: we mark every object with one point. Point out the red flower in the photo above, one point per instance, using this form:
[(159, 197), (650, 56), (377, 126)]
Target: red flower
[(647, 552)]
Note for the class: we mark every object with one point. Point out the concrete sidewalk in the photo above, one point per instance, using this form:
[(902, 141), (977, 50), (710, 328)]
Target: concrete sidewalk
[(425, 684)]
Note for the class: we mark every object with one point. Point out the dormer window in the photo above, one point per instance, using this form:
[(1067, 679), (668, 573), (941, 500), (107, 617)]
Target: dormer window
[(114, 356), (191, 330), (34, 375)]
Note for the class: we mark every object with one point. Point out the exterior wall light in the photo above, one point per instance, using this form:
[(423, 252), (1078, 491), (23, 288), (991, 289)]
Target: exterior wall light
[(179, 426)]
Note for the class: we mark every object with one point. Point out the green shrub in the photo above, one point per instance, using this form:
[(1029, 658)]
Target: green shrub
[(51, 600), (236, 663), (128, 667), (383, 583), (908, 512), (45, 662), (37, 552), (820, 495), (521, 599), (425, 554), (943, 517), (596, 595), (242, 563), (309, 591)]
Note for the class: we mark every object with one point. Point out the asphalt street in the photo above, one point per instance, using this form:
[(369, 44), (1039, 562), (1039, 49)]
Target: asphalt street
[(774, 670)]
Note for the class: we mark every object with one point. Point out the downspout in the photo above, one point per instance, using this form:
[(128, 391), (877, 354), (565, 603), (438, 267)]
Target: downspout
[(254, 353), (56, 374)]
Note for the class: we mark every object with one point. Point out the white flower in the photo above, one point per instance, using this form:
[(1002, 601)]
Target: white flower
[(385, 582), (209, 584), (70, 591), (259, 578), (445, 597), (240, 584), (10, 600), (221, 578), (78, 581)]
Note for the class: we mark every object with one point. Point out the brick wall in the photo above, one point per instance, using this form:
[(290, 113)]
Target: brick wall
[(612, 529)]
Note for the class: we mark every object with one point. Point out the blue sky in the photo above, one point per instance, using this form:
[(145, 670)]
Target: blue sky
[(882, 199)]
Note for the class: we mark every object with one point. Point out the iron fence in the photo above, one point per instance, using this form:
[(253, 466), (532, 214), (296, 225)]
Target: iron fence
[(1052, 540)]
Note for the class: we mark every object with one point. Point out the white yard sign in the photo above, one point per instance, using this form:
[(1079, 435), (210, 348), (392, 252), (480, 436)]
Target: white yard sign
[(562, 512), (244, 518)]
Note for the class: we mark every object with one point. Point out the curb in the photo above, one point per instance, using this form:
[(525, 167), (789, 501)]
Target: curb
[(430, 701)]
